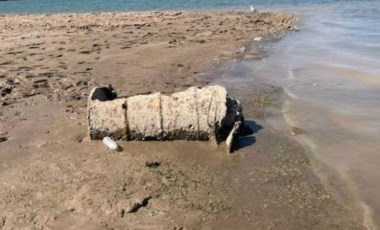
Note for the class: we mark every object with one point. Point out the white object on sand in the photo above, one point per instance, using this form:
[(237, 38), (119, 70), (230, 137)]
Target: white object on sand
[(253, 9), (232, 139), (111, 144), (242, 49), (258, 39)]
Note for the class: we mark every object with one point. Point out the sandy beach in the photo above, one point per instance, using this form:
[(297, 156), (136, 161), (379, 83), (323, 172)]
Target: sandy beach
[(53, 177)]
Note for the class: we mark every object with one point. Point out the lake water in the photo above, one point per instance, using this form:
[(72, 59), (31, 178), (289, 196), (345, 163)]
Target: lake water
[(330, 71), (54, 6)]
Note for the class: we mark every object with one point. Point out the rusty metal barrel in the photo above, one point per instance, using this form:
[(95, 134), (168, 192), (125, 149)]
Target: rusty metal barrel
[(193, 114)]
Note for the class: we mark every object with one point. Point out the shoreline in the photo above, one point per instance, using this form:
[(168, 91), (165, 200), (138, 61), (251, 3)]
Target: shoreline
[(264, 108), (53, 62)]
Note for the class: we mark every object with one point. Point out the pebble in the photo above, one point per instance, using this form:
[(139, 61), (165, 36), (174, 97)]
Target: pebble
[(2, 139), (111, 144), (295, 131), (294, 28), (242, 49)]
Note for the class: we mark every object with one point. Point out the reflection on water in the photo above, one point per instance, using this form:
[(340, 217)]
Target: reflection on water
[(331, 75)]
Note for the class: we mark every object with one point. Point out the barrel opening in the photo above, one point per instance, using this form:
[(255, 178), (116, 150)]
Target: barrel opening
[(104, 94)]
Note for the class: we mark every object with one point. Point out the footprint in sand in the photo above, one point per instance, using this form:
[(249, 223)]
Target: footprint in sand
[(34, 47), (7, 63), (85, 52), (15, 52), (27, 68)]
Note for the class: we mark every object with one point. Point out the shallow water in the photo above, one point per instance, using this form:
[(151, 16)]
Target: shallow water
[(330, 72)]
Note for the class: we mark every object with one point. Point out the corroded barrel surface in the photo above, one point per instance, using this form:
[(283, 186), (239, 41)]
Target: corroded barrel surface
[(194, 114)]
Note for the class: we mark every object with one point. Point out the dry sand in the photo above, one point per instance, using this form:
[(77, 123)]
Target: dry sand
[(53, 177)]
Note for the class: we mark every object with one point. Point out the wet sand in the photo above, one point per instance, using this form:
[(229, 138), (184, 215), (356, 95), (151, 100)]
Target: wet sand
[(331, 94), (53, 177)]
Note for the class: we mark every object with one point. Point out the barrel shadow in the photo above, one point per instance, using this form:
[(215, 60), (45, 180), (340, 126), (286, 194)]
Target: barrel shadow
[(248, 139)]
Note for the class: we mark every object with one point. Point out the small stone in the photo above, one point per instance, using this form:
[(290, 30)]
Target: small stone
[(294, 28), (295, 131), (41, 144), (258, 39), (2, 139), (122, 212), (6, 90), (152, 164), (111, 144), (242, 49)]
